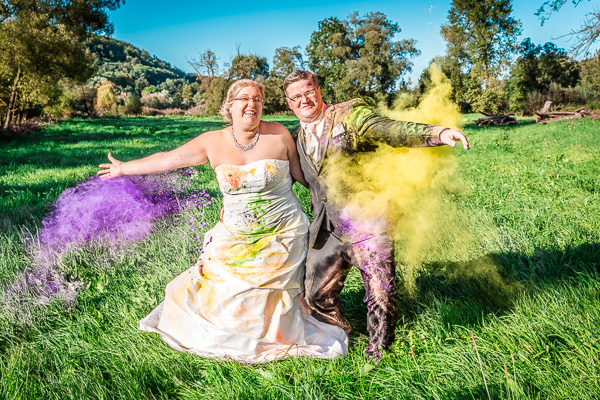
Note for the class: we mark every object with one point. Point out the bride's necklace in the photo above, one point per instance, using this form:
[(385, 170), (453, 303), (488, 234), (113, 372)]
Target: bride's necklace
[(248, 147)]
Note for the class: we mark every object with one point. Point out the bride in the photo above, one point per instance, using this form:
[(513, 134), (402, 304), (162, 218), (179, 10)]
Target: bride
[(243, 299)]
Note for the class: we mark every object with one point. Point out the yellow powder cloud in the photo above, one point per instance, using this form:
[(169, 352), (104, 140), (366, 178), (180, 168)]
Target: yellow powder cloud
[(414, 190)]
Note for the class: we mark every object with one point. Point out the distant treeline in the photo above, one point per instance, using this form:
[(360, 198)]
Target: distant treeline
[(489, 68)]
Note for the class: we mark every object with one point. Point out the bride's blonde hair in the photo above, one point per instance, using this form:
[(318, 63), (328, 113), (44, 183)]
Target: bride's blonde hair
[(234, 89)]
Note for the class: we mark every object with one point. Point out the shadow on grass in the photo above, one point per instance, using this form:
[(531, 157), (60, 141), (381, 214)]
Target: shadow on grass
[(462, 293), (86, 142)]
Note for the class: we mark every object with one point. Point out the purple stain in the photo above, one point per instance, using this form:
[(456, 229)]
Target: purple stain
[(111, 213), (374, 255)]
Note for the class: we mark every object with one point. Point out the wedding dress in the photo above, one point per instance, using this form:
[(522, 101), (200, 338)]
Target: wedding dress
[(243, 299)]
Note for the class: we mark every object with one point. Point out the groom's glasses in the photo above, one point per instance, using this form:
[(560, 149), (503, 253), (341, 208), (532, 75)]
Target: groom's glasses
[(309, 93), (246, 99)]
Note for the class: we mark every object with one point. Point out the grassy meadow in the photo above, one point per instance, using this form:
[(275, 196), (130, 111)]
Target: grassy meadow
[(518, 319)]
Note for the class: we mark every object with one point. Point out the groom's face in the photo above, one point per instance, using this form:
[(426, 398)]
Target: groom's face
[(304, 99)]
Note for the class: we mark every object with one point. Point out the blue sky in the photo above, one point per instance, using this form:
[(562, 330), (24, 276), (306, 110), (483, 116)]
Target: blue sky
[(177, 30)]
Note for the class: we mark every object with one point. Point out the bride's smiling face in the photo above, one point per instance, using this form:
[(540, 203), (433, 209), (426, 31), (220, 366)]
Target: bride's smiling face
[(247, 106)]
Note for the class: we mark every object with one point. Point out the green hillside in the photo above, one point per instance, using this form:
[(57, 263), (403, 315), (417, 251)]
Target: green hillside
[(132, 69)]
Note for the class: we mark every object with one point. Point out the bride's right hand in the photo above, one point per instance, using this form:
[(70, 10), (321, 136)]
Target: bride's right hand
[(112, 170)]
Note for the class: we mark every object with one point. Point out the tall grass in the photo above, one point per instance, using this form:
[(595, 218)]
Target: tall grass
[(518, 320)]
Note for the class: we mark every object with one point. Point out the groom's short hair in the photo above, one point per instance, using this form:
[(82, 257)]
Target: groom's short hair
[(299, 75)]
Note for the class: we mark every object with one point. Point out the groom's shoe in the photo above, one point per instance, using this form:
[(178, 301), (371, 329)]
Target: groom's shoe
[(329, 312)]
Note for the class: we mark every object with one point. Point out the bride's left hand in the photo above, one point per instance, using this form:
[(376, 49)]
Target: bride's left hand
[(112, 170)]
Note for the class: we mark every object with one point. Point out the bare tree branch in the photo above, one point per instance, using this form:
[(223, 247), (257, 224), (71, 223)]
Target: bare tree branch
[(586, 35)]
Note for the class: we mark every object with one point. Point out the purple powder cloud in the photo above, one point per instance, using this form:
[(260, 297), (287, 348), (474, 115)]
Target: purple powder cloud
[(111, 213)]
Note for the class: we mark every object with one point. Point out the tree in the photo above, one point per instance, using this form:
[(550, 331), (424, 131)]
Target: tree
[(590, 75), (207, 64), (106, 100), (248, 66), (133, 105), (40, 44), (286, 60), (213, 93), (359, 56), (328, 50), (187, 94), (482, 37), (585, 36), (379, 60), (536, 69), (274, 96)]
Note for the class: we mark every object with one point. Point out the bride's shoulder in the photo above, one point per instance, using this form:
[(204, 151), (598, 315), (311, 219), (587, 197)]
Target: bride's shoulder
[(273, 128)]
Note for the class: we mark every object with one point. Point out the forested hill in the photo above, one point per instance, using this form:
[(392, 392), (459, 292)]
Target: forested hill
[(130, 68)]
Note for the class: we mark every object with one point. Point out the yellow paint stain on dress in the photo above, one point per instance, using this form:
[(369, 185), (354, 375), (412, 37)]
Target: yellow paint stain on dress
[(271, 169)]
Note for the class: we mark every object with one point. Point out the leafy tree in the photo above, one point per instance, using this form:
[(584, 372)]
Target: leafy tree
[(213, 92), (481, 36), (274, 96), (379, 61), (536, 69), (248, 66), (459, 80), (140, 84), (328, 50), (133, 105), (358, 56), (585, 36), (286, 60), (187, 94), (106, 100), (41, 43), (590, 74)]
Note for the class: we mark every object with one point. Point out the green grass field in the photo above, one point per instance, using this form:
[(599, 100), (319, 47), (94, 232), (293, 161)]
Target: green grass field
[(517, 319)]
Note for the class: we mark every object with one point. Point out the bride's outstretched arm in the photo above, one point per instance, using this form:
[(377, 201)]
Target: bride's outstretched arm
[(191, 153)]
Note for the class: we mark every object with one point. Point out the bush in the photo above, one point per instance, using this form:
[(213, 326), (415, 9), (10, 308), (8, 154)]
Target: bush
[(200, 109), (133, 105), (566, 95), (534, 102), (593, 105), (489, 101), (160, 100), (172, 111), (106, 101), (149, 111)]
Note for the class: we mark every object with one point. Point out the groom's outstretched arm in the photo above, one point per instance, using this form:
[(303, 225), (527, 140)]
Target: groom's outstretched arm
[(372, 128)]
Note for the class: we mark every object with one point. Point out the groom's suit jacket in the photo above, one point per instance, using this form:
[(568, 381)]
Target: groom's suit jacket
[(350, 128)]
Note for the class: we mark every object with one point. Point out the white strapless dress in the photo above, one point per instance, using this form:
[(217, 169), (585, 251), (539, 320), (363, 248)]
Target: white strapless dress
[(243, 300)]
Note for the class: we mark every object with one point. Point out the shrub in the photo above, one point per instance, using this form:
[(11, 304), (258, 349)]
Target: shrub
[(106, 101), (593, 105), (149, 111), (534, 102), (566, 95), (172, 111), (200, 109), (160, 100), (133, 105)]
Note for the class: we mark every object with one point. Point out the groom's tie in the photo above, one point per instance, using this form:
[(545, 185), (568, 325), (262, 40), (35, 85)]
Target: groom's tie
[(312, 141)]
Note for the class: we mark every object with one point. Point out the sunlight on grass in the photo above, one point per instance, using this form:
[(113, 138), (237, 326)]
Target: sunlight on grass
[(524, 288)]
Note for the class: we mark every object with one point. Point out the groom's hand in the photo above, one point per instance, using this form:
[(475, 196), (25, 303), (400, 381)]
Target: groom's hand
[(451, 136)]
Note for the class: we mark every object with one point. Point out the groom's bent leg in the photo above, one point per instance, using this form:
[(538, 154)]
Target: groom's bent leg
[(375, 259), (326, 270)]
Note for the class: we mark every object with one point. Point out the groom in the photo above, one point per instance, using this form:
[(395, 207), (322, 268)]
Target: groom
[(338, 240)]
